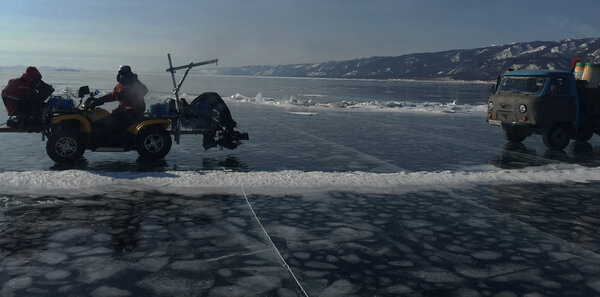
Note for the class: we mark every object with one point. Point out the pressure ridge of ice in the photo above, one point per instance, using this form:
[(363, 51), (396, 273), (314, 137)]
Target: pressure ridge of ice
[(79, 182), (373, 105)]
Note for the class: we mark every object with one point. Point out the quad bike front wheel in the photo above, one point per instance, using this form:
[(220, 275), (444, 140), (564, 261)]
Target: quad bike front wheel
[(65, 146), (153, 143)]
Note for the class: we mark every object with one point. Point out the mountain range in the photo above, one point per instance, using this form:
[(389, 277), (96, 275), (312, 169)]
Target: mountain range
[(483, 63)]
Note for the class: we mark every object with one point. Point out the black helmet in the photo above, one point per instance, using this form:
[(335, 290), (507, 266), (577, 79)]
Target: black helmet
[(124, 72)]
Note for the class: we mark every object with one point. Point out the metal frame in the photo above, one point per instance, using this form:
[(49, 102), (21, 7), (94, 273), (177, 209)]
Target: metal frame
[(176, 88)]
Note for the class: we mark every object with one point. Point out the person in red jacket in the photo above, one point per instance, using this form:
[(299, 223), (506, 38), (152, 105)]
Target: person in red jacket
[(24, 97), (130, 93)]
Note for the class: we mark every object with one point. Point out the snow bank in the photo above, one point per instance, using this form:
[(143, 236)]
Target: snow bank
[(76, 182)]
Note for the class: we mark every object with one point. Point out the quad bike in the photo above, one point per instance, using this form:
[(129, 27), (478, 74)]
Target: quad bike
[(70, 129)]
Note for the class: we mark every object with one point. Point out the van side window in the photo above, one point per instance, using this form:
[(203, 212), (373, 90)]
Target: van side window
[(560, 86)]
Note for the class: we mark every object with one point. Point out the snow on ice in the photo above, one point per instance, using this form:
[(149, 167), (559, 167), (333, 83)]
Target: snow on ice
[(78, 182)]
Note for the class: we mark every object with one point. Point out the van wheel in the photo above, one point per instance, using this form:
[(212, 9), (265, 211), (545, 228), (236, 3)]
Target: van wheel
[(514, 134), (153, 143), (65, 146), (558, 137)]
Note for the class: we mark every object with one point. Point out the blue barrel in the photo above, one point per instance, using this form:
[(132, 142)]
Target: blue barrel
[(159, 109)]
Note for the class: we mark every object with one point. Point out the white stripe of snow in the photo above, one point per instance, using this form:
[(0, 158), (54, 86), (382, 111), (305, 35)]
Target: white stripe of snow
[(77, 182)]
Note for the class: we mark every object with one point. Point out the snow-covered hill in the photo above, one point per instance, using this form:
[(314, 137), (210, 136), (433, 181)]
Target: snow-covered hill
[(462, 64)]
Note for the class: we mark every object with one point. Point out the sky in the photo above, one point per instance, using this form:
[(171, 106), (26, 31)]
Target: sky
[(103, 34)]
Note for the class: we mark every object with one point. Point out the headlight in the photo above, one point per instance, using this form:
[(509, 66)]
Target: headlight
[(490, 105), (523, 108)]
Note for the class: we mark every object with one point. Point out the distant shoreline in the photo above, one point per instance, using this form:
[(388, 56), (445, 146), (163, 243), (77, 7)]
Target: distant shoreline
[(19, 69)]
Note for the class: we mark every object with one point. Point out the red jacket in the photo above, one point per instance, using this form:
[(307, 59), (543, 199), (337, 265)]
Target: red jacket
[(130, 96), (19, 91)]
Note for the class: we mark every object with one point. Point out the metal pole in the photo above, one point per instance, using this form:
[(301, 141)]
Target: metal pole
[(176, 91), (172, 74)]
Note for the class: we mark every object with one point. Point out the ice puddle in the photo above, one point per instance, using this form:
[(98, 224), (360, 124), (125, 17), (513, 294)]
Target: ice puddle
[(71, 183)]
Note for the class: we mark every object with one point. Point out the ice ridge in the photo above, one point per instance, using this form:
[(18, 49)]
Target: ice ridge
[(79, 182)]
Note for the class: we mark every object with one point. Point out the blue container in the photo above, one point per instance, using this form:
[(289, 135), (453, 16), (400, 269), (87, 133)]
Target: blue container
[(58, 104), (160, 110)]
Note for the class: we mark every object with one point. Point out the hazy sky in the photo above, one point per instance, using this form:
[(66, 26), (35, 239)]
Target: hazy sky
[(105, 33)]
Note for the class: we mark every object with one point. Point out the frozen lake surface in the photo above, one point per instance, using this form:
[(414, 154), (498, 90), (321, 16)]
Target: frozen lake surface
[(364, 188)]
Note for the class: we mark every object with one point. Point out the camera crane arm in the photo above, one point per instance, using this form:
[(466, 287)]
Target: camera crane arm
[(176, 87)]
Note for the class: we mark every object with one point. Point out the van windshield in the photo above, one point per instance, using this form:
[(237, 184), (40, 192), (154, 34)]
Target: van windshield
[(527, 85)]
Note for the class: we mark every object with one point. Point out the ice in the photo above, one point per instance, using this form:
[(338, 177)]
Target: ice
[(92, 269), (320, 265), (51, 258), (339, 288), (101, 237), (259, 283), (404, 263), (284, 292), (397, 290), (163, 284), (486, 255), (491, 270), (191, 265), (37, 291), (455, 258), (414, 224), (95, 251), (58, 274), (530, 250), (594, 284), (302, 255), (18, 283), (224, 272), (351, 258), (562, 256), (229, 291), (534, 294), (151, 264), (290, 233), (437, 275), (70, 234), (349, 234), (106, 291), (315, 274)]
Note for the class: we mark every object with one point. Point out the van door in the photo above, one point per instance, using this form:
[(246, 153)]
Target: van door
[(560, 103)]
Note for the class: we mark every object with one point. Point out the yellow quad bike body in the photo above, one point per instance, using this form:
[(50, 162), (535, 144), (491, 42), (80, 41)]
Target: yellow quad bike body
[(71, 133)]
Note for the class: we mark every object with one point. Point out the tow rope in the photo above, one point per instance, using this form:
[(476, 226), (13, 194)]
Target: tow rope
[(270, 241)]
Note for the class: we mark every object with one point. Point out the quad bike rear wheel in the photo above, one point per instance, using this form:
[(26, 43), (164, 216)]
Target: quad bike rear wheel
[(153, 143)]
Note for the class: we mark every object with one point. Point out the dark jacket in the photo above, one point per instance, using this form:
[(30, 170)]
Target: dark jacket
[(130, 96)]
